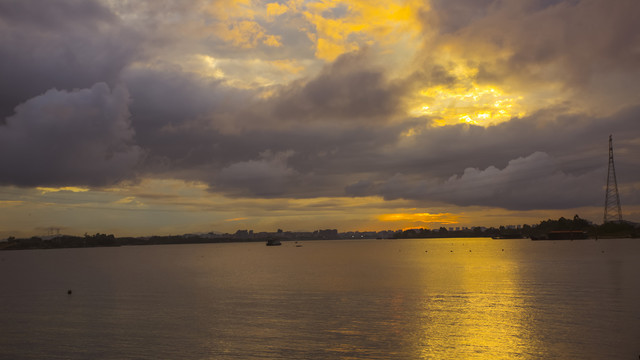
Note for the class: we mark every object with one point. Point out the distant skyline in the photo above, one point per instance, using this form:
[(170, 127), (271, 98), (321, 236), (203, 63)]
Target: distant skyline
[(169, 117)]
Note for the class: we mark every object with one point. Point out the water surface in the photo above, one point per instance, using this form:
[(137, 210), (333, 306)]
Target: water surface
[(364, 299)]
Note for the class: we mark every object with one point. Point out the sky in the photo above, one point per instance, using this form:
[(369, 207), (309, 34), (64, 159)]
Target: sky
[(166, 117)]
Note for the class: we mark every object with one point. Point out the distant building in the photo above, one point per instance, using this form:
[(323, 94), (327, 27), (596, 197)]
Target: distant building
[(326, 234), (243, 233)]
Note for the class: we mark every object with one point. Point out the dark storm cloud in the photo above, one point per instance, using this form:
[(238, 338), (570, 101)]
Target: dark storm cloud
[(607, 41), (548, 160), (535, 40), (54, 15), (451, 16), (58, 44), (204, 130), (528, 182), (177, 115), (551, 159), (310, 161), (268, 176), (65, 138), (201, 129), (347, 89)]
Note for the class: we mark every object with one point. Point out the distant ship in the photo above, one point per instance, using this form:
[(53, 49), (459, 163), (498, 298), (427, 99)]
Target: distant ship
[(273, 242)]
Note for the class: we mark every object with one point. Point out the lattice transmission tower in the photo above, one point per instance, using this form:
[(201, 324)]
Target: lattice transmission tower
[(612, 209)]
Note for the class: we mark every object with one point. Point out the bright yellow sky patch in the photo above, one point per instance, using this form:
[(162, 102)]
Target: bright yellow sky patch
[(204, 65), (64, 188), (336, 27), (476, 104), (237, 23), (246, 34), (340, 26), (275, 9), (425, 218), (364, 21)]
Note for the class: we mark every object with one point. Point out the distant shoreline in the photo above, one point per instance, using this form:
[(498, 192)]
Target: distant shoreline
[(561, 229), (73, 242)]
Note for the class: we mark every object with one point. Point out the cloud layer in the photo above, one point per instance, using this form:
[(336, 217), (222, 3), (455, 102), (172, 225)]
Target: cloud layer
[(485, 103), (65, 138)]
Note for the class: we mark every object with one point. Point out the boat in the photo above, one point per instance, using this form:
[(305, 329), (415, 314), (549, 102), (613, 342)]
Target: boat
[(273, 242)]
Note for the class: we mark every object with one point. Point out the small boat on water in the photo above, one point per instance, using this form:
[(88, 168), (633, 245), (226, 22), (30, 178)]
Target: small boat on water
[(273, 242)]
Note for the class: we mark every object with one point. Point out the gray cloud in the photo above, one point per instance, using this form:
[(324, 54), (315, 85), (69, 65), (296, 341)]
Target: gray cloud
[(543, 41), (63, 138), (528, 182), (548, 160), (451, 16), (204, 130), (59, 43), (267, 176), (339, 132), (349, 89)]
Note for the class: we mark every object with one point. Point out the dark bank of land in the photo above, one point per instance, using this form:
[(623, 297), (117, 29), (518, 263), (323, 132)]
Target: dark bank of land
[(575, 228), (104, 240), (545, 230)]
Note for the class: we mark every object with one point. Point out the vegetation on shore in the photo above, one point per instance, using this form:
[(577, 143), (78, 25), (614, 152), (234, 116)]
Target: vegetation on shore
[(608, 230)]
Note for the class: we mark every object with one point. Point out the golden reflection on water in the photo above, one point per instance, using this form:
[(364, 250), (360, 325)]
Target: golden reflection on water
[(477, 309)]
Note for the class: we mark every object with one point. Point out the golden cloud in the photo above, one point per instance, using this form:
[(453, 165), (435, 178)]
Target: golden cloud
[(74, 189), (426, 218), (359, 23)]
